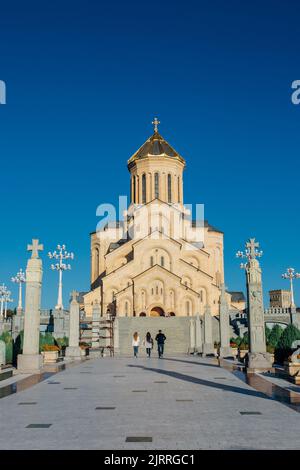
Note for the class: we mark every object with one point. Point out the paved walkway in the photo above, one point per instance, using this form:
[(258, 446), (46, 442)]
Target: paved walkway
[(181, 403)]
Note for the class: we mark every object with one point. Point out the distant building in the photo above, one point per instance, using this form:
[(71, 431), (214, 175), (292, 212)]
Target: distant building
[(280, 298), (238, 301)]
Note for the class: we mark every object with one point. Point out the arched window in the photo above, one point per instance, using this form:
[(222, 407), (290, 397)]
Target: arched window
[(162, 261), (126, 309), (156, 290), (178, 189), (144, 189), (156, 185), (169, 188), (151, 261), (187, 308)]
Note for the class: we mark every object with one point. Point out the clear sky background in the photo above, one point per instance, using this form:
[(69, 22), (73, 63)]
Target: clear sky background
[(84, 81)]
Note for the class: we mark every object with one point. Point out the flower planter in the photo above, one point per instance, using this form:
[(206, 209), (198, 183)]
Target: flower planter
[(50, 357), (82, 352), (234, 352)]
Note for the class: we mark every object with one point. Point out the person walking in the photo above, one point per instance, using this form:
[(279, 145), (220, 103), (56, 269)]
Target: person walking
[(135, 343), (160, 339), (148, 343)]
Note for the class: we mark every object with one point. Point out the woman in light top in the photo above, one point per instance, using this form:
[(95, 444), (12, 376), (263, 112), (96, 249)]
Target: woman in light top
[(135, 343)]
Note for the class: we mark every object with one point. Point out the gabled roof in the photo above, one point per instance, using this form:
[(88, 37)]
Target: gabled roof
[(237, 296), (156, 145)]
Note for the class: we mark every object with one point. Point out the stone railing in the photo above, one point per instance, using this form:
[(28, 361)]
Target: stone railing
[(277, 311)]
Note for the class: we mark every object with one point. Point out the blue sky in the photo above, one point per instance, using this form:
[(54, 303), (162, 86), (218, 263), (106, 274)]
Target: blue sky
[(84, 81)]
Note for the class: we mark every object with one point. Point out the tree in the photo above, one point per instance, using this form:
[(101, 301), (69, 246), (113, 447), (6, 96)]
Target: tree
[(284, 345), (289, 335), (267, 332), (275, 335)]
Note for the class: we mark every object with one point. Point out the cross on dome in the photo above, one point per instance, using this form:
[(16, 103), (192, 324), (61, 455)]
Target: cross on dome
[(155, 123)]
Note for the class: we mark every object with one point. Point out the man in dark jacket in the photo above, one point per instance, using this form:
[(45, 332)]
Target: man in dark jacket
[(160, 339)]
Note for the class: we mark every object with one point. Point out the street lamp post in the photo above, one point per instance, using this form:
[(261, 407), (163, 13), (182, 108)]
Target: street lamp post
[(19, 279), (291, 275), (61, 254), (7, 299)]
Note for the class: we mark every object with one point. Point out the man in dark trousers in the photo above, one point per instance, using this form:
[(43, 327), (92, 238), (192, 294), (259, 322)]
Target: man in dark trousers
[(160, 338)]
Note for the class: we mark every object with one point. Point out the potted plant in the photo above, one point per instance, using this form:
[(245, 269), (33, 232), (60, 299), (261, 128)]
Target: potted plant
[(50, 353), (234, 346)]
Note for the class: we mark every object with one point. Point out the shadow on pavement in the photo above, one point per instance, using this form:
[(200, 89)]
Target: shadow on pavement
[(207, 383)]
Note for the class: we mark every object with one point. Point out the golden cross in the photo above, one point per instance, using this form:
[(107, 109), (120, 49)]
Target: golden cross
[(155, 122)]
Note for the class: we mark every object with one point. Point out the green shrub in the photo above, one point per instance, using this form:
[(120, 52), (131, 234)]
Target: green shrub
[(275, 335), (62, 342), (6, 337), (284, 346), (46, 339), (267, 333), (289, 335)]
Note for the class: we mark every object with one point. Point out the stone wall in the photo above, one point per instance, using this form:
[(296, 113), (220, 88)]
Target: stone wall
[(176, 329)]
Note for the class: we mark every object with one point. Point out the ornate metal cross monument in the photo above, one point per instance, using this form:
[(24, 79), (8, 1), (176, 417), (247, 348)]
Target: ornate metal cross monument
[(258, 358), (30, 361), (225, 350)]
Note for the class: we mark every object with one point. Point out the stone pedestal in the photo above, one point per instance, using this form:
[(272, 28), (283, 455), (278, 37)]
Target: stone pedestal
[(31, 361), (208, 347), (259, 362), (258, 358), (225, 349), (73, 350)]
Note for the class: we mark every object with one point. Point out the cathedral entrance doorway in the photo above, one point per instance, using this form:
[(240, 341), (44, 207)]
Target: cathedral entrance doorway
[(157, 312)]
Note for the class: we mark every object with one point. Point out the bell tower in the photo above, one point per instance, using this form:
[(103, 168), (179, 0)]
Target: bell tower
[(156, 171)]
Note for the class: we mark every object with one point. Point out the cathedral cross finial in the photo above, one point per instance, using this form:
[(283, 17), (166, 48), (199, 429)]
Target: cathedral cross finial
[(35, 248), (155, 123)]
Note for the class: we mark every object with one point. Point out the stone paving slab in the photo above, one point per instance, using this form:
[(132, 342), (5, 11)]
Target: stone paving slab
[(207, 415)]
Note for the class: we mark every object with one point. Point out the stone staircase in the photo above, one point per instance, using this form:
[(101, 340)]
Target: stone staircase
[(176, 329)]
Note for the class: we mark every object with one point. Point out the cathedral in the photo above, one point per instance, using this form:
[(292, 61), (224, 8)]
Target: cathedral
[(157, 261)]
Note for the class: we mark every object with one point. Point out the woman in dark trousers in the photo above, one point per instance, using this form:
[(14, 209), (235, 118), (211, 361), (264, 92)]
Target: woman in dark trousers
[(148, 343)]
